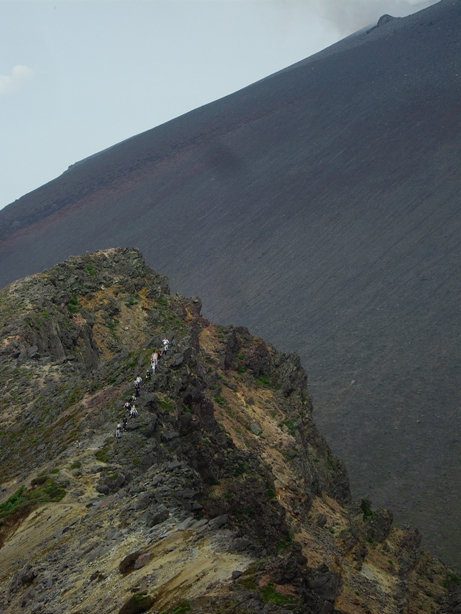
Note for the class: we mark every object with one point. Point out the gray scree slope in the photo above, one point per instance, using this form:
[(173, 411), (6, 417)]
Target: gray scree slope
[(321, 208)]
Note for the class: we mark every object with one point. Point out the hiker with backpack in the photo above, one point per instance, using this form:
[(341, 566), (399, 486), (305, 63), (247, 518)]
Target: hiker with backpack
[(154, 361), (118, 430)]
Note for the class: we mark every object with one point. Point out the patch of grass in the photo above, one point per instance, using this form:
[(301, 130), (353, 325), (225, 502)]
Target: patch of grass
[(103, 455), (76, 465), (54, 471), (40, 492), (452, 578), (219, 399), (241, 469), (179, 608), (166, 403), (111, 323), (90, 269), (241, 369), (186, 410), (269, 594), (264, 380), (284, 543), (248, 583), (289, 426)]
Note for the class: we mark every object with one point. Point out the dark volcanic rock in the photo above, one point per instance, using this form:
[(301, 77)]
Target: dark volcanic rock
[(128, 562), (156, 515)]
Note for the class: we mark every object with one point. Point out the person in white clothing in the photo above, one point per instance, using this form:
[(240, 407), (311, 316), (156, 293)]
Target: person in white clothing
[(154, 360), (166, 343)]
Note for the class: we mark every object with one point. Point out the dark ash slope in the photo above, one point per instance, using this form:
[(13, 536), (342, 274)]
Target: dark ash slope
[(319, 207)]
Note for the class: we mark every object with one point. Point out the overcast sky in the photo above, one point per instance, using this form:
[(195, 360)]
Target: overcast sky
[(77, 76)]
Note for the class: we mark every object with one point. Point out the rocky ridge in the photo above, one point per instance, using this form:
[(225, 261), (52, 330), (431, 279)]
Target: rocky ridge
[(221, 496)]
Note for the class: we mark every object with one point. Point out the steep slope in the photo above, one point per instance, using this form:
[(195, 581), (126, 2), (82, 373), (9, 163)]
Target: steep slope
[(320, 207), (220, 496)]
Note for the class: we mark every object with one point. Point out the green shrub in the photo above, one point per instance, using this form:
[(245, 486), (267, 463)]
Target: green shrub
[(365, 506), (263, 380), (282, 544), (90, 269), (76, 465), (268, 593), (219, 399), (241, 469), (73, 304), (180, 608), (452, 578)]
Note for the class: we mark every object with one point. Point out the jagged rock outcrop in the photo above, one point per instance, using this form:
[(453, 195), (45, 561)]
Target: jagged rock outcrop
[(221, 495)]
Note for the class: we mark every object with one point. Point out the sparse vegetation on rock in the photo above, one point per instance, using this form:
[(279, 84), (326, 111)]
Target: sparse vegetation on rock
[(221, 496)]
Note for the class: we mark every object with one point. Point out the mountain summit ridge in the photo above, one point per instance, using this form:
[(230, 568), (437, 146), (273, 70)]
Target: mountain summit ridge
[(221, 495)]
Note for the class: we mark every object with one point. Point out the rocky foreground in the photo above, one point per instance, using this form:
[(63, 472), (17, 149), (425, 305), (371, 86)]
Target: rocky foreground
[(221, 496)]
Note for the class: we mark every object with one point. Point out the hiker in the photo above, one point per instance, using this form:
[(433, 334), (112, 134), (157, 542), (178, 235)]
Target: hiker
[(127, 407), (125, 420), (148, 374), (154, 361), (133, 412), (137, 386), (118, 430), (166, 343)]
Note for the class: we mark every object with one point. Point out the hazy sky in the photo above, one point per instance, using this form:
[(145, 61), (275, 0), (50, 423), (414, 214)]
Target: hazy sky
[(77, 76)]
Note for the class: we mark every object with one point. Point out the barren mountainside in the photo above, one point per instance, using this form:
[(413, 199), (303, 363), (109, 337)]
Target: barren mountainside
[(220, 496)]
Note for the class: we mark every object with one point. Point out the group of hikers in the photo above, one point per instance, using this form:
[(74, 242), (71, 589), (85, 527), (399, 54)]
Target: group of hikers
[(130, 407)]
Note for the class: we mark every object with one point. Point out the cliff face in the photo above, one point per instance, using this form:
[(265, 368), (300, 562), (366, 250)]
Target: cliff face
[(220, 496)]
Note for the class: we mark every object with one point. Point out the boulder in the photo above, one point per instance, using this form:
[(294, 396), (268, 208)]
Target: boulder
[(127, 564), (142, 560), (137, 604), (156, 516)]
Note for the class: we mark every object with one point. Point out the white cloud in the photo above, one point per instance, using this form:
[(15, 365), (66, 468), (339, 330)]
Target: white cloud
[(10, 83)]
